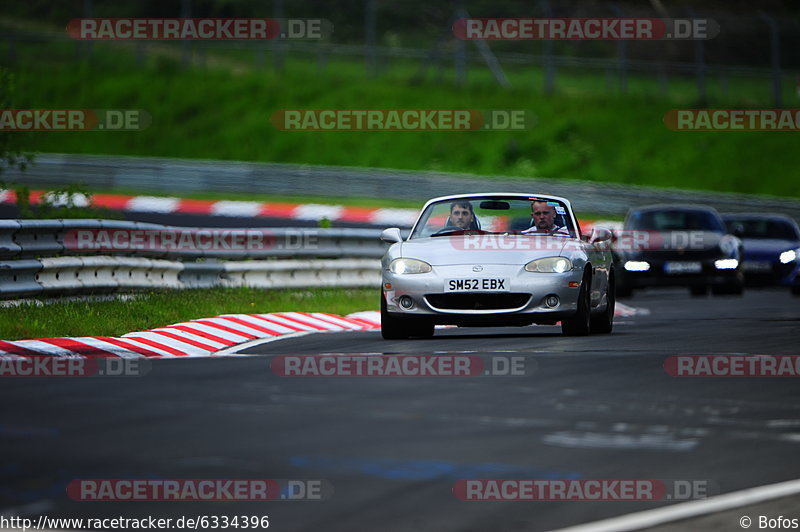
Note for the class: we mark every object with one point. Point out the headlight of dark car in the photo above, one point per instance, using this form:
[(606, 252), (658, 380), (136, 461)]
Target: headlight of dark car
[(789, 255)]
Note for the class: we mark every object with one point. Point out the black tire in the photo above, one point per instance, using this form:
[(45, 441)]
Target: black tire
[(421, 328), (580, 323), (735, 289), (623, 290), (392, 328), (603, 323), (401, 328), (699, 290)]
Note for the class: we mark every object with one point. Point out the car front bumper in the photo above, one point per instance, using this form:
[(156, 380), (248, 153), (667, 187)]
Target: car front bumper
[(523, 300), (657, 276)]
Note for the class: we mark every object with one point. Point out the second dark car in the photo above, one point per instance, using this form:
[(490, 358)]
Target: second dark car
[(771, 247)]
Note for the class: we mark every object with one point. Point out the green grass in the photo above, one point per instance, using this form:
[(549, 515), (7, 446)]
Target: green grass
[(586, 131), (156, 309)]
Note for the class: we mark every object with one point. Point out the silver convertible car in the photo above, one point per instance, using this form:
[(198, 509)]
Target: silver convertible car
[(480, 260)]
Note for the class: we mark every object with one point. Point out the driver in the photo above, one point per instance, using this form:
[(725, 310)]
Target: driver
[(461, 216), (543, 219)]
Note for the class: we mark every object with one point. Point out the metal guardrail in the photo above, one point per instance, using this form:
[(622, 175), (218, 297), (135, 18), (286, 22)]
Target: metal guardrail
[(39, 257), (83, 275), (23, 239), (192, 175)]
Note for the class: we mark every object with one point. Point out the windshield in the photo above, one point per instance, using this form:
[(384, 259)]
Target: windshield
[(496, 214), (675, 220), (764, 228)]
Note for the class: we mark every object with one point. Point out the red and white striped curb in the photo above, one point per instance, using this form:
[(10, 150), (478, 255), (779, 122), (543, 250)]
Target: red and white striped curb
[(249, 209), (622, 310), (206, 336), (196, 338)]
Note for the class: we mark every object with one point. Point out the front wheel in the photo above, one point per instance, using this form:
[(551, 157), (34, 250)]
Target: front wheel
[(421, 327), (604, 323), (734, 289), (580, 323), (396, 328), (698, 290), (391, 327)]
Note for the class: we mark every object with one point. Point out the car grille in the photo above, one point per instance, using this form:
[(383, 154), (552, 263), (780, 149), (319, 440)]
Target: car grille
[(685, 255), (474, 301)]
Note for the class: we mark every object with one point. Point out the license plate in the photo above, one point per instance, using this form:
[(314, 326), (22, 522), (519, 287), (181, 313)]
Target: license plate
[(757, 266), (476, 285), (683, 267)]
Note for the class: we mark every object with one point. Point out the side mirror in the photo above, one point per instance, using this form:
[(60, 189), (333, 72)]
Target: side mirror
[(737, 230), (600, 234), (391, 235)]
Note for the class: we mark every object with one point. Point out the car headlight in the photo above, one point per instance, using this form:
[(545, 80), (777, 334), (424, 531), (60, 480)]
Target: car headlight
[(726, 264), (637, 265), (549, 265), (788, 256), (403, 266)]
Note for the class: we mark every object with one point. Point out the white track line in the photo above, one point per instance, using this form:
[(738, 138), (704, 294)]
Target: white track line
[(678, 512)]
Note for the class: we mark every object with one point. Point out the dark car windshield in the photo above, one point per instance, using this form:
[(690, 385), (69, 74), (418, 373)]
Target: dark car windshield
[(675, 220), (765, 228)]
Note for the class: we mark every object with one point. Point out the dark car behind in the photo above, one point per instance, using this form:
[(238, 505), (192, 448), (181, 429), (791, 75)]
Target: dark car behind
[(677, 245)]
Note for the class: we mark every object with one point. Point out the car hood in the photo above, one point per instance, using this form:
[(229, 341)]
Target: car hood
[(676, 245), (767, 248), (486, 249)]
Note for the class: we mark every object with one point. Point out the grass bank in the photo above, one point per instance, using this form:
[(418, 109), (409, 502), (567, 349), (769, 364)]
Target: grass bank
[(585, 131), (92, 317)]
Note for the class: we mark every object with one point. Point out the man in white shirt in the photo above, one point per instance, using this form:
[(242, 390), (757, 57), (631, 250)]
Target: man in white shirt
[(543, 221)]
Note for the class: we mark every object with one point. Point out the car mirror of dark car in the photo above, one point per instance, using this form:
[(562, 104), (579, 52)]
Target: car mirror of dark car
[(391, 235), (600, 234)]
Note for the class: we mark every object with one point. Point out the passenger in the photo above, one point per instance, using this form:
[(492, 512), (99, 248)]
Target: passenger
[(543, 219)]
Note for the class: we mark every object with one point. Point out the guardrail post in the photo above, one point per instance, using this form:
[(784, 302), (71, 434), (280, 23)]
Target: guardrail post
[(547, 54), (774, 43), (699, 64)]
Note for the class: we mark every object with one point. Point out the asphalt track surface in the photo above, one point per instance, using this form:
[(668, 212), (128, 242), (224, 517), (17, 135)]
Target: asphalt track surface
[(599, 407)]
